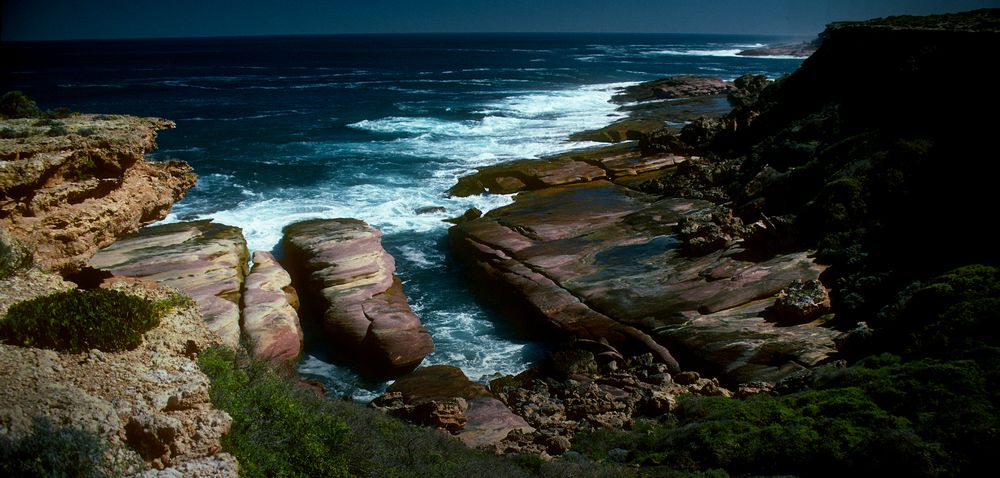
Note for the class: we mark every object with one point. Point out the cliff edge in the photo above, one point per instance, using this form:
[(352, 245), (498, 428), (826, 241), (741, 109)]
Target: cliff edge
[(71, 186)]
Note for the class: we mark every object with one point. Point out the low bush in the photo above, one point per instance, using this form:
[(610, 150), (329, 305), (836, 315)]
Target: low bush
[(276, 430), (883, 416), (52, 451), (58, 130), (281, 430), (15, 104), (77, 321), (11, 133), (825, 433), (954, 313)]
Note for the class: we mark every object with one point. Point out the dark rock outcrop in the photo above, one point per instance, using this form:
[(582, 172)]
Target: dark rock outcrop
[(441, 396), (345, 274), (70, 194), (665, 103), (854, 164), (673, 87), (801, 50)]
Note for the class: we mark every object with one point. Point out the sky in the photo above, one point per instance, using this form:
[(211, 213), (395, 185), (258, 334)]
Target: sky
[(102, 19)]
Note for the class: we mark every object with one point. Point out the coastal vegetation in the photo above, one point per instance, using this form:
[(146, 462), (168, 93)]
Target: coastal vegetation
[(58, 451), (79, 320), (846, 171), (281, 428)]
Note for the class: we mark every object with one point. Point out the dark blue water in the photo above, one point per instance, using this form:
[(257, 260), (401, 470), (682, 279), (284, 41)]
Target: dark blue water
[(374, 127)]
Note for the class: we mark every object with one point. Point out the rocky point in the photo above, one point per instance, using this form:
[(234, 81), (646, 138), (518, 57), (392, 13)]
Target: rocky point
[(72, 191)]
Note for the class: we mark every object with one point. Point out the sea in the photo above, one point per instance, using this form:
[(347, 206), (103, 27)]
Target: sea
[(375, 127)]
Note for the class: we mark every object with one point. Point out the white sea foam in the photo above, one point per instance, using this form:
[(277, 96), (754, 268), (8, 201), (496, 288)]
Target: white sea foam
[(340, 380), (521, 125), (527, 125), (724, 52)]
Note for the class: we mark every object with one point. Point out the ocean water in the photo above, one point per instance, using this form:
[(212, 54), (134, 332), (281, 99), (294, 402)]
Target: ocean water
[(375, 127)]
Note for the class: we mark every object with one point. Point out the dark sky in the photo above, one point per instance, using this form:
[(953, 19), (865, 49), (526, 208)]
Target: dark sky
[(81, 19)]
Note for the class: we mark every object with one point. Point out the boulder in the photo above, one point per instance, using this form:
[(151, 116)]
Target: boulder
[(525, 175), (270, 320), (441, 396), (70, 194), (801, 302), (343, 271), (201, 259), (489, 421)]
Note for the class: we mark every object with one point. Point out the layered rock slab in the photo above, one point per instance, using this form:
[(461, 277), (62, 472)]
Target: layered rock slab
[(599, 261), (620, 163), (202, 259), (270, 319), (70, 191), (350, 277)]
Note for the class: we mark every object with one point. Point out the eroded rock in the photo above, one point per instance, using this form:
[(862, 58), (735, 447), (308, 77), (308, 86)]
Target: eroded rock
[(599, 261), (150, 403), (270, 320), (202, 259), (69, 195), (351, 278)]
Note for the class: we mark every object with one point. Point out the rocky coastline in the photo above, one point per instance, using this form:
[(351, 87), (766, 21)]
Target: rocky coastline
[(732, 239)]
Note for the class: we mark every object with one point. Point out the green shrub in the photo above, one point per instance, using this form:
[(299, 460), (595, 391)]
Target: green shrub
[(77, 321), (61, 112), (276, 430), (11, 133), (952, 404), (883, 416), (824, 433), (46, 121), (58, 130), (945, 317), (280, 430), (86, 132), (14, 255), (15, 104), (57, 452)]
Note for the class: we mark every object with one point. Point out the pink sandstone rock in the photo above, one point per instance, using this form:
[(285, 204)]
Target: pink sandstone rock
[(349, 274), (270, 320), (596, 260), (204, 260)]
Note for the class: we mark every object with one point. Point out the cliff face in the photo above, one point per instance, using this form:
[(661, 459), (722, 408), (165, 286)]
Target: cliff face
[(877, 152), (69, 187), (150, 405)]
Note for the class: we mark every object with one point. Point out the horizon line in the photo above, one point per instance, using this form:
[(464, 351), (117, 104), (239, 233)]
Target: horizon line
[(371, 34)]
